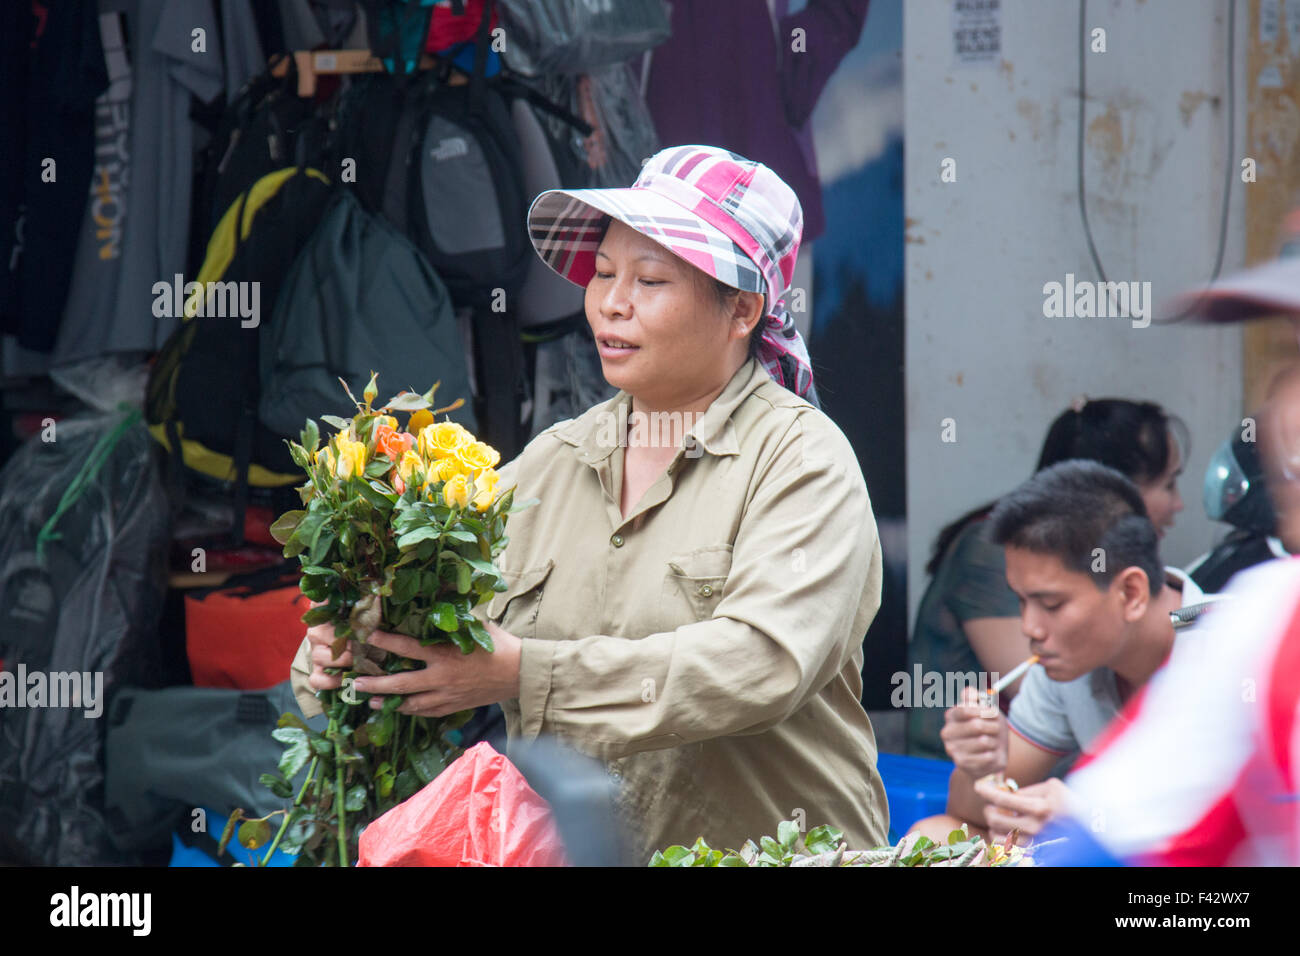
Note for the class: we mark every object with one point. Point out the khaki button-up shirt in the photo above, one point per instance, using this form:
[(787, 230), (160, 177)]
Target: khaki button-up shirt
[(707, 647)]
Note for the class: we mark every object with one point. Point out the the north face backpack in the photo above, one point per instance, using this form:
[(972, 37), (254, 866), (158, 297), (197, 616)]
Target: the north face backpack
[(442, 163), (201, 401), (359, 298)]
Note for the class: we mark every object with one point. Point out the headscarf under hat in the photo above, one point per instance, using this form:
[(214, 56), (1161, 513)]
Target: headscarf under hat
[(731, 217)]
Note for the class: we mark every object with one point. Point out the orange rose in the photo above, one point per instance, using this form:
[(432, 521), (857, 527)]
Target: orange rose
[(391, 442)]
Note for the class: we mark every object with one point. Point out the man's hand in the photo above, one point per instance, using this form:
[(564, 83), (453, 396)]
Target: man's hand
[(1027, 809), (975, 736), (450, 681)]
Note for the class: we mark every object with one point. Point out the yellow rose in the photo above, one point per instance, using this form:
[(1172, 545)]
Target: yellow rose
[(477, 455), (485, 488), (409, 464), (446, 469), (441, 439), (351, 458), (419, 421), (455, 493)]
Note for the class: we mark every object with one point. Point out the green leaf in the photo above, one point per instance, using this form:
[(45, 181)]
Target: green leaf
[(456, 534), (658, 860), (254, 833), (732, 859), (427, 763), (406, 785), (342, 424), (318, 615), (321, 746), (678, 856), (289, 735), (406, 402), (381, 728), (355, 801), (277, 785), (487, 567), (284, 525), (823, 839), (480, 635), (787, 834), (310, 436), (523, 505), (290, 720), (771, 847), (443, 616), (229, 831), (316, 569), (957, 836), (427, 533), (294, 759), (406, 585), (463, 577)]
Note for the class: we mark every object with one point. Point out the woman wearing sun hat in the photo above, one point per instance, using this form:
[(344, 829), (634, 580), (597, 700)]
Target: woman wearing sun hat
[(686, 604)]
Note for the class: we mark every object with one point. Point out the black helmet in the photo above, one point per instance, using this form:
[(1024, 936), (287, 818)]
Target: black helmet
[(1234, 489)]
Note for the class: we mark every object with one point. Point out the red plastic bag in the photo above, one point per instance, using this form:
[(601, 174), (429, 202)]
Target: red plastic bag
[(478, 812)]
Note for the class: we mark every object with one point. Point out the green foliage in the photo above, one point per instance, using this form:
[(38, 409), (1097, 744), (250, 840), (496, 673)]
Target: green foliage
[(373, 558), (824, 846)]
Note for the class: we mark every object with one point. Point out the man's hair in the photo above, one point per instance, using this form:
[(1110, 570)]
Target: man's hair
[(1075, 507)]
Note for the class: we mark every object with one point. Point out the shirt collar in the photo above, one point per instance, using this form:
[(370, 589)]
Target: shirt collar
[(595, 432)]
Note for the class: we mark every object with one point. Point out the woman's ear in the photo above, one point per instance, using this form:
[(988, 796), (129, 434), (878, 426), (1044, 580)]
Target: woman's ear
[(747, 311)]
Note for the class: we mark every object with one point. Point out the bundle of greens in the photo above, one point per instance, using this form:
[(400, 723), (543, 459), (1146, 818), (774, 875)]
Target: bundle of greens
[(399, 533)]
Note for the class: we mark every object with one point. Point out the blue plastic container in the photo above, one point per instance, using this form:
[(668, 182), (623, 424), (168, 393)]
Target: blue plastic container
[(916, 787)]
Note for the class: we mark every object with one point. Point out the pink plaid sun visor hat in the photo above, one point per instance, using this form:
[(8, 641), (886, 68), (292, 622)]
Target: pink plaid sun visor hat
[(731, 217)]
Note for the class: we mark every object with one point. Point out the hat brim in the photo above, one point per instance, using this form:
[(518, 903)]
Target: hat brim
[(564, 226), (1265, 291)]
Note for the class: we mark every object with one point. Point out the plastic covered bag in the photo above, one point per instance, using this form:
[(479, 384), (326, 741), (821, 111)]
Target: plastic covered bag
[(574, 36), (480, 811), (83, 578), (623, 132)]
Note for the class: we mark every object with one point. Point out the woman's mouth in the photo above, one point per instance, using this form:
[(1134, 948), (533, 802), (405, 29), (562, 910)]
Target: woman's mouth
[(613, 347)]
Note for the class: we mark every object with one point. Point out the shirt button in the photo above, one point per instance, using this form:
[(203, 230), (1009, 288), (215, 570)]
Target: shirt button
[(616, 541), (706, 590)]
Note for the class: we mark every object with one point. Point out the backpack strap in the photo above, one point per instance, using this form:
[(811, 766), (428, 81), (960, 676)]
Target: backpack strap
[(247, 412)]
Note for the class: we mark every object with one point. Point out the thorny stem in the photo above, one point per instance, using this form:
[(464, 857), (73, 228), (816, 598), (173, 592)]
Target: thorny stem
[(340, 800), (285, 825)]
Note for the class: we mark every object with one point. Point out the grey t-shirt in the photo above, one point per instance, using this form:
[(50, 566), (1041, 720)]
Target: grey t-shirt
[(136, 228), (1067, 717)]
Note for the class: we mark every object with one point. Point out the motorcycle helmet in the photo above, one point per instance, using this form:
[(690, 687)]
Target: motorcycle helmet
[(1234, 489)]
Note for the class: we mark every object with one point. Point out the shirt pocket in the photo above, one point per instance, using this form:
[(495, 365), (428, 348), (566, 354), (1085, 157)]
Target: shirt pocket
[(694, 583), (515, 609)]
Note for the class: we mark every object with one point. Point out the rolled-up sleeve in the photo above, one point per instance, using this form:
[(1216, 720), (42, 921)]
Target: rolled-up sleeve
[(803, 586)]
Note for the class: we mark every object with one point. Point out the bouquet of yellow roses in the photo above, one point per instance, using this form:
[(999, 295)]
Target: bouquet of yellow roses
[(399, 532)]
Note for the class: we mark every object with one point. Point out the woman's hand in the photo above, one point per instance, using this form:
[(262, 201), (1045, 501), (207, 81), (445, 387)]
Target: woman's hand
[(451, 681), (321, 637)]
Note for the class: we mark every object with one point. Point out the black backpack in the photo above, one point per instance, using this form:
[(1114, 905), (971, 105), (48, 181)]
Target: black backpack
[(203, 392), (268, 126)]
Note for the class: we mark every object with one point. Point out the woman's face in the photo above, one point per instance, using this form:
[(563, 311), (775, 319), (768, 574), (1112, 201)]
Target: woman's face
[(660, 331), (1161, 493)]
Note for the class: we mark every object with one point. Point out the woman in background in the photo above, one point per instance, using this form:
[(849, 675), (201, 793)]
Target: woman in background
[(969, 618)]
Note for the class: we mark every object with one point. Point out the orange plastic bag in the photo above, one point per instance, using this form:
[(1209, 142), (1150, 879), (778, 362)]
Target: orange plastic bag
[(480, 811)]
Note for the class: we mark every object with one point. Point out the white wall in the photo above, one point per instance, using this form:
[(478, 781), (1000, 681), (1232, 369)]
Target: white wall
[(978, 348)]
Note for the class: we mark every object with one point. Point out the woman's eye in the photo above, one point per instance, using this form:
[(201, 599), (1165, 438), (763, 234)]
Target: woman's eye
[(652, 282), (1052, 607)]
